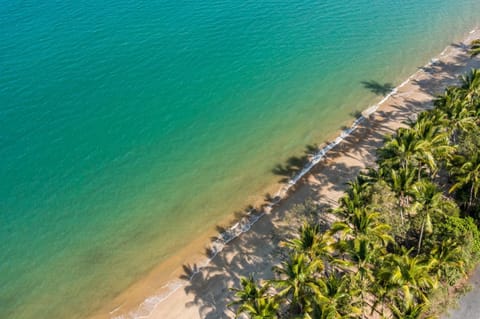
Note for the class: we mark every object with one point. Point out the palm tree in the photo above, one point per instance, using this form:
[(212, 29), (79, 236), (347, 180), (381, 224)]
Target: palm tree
[(475, 47), (401, 181), (362, 252), (364, 221), (429, 200), (447, 255), (470, 85), (405, 148), (437, 139), (468, 174), (254, 301), (262, 308), (249, 291), (309, 235), (461, 119), (357, 195), (382, 287), (312, 242), (407, 310), (410, 275), (436, 116), (336, 299), (450, 98), (297, 281)]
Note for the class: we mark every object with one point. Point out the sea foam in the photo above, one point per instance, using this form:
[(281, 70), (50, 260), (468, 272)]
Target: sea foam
[(245, 224)]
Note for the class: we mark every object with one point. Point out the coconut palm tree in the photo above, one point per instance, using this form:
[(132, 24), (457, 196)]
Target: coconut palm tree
[(249, 291), (447, 255), (437, 139), (254, 301), (357, 195), (468, 174), (362, 253), (336, 299), (436, 116), (382, 288), (405, 148), (428, 200), (461, 119), (449, 98), (401, 182), (262, 308), (297, 281), (309, 237), (316, 246), (410, 275), (407, 310), (364, 222), (470, 85)]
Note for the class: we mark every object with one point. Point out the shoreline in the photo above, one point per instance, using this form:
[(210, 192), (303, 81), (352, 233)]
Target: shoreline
[(205, 281)]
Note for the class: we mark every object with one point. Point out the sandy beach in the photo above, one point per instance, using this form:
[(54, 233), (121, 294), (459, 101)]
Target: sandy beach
[(206, 294)]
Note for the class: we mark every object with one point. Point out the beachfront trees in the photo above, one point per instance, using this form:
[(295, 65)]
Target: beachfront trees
[(262, 308), (402, 149), (468, 175), (400, 309), (297, 281), (357, 269), (437, 142), (312, 242), (356, 197), (410, 275), (254, 301), (401, 182), (337, 299), (363, 222), (447, 258), (362, 253), (461, 119), (470, 86), (429, 200)]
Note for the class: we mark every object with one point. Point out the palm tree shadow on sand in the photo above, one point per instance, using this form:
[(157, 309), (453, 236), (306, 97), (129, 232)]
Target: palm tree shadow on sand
[(378, 88)]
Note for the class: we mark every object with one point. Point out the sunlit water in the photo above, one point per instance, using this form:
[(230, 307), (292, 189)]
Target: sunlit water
[(128, 128)]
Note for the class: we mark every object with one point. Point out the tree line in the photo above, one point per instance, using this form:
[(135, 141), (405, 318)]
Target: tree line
[(406, 231)]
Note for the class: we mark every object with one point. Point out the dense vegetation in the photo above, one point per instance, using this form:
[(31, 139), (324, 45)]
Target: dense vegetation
[(406, 231)]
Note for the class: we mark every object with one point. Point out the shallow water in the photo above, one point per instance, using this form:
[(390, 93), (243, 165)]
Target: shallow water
[(127, 128)]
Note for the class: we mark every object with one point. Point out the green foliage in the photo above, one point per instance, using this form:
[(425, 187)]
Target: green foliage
[(254, 301), (399, 236), (475, 47), (462, 231), (469, 142), (385, 202)]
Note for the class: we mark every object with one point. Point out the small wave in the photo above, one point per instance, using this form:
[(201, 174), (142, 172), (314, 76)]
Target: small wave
[(245, 224)]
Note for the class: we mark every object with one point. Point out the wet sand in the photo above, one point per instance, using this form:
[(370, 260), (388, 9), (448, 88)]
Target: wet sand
[(206, 294)]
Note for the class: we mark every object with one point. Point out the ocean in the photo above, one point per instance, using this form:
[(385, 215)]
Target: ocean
[(130, 128)]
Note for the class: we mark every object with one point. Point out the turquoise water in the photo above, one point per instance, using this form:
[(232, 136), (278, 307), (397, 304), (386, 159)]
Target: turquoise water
[(128, 128)]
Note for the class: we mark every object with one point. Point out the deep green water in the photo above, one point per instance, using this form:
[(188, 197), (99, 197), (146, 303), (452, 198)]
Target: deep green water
[(128, 128)]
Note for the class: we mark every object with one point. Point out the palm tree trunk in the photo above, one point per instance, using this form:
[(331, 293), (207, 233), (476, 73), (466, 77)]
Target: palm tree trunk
[(470, 202), (421, 236), (401, 215), (401, 208), (363, 304)]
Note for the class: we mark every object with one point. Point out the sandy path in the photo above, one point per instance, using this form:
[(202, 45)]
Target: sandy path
[(207, 294)]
